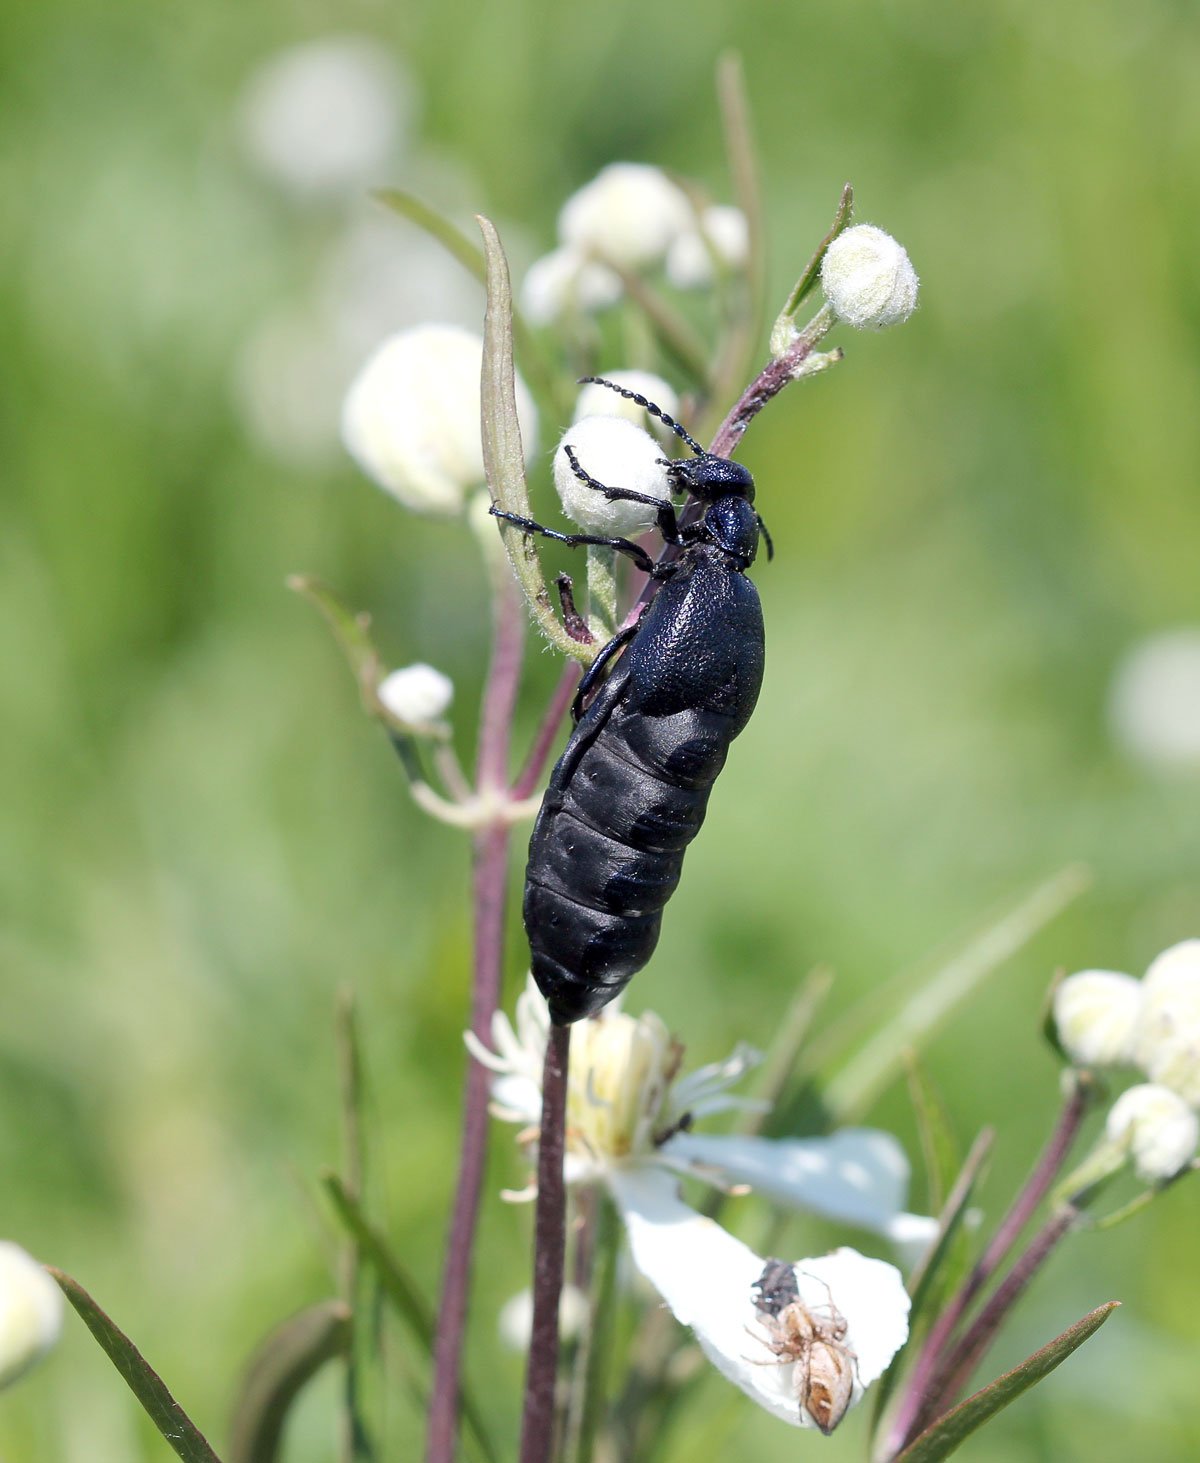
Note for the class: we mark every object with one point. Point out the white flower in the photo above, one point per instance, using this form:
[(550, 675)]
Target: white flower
[(31, 1311), (1154, 705), (417, 694), (566, 280), (1096, 1014), (627, 1112), (628, 214), (411, 417), (620, 455), (1159, 1128), (324, 117), (601, 401), (515, 1321), (869, 279), (1167, 1045), (722, 230)]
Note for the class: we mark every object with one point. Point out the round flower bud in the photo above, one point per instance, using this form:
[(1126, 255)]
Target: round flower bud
[(31, 1311), (416, 694), (1167, 1042), (629, 213), (869, 279), (601, 401), (1154, 704), (690, 258), (1160, 1128), (619, 455), (1096, 1015), (411, 417), (567, 279)]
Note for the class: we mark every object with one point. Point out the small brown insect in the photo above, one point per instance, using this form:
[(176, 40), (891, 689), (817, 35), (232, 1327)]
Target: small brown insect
[(812, 1343)]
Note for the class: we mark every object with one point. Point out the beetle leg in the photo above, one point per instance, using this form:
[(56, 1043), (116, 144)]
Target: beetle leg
[(573, 622), (592, 674), (667, 524), (623, 545), (762, 528)]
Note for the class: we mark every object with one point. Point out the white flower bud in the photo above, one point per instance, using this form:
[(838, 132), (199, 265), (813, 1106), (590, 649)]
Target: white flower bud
[(417, 694), (629, 213), (1159, 1127), (722, 229), (869, 279), (567, 279), (1096, 1014), (515, 1322), (411, 417), (620, 455), (1167, 1044), (1154, 705), (323, 117), (31, 1311), (601, 401)]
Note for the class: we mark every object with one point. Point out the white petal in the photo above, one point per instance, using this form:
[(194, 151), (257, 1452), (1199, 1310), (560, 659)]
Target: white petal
[(859, 1175), (519, 1095), (705, 1275)]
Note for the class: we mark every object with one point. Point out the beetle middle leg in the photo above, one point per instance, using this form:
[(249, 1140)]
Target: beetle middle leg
[(593, 672), (623, 545)]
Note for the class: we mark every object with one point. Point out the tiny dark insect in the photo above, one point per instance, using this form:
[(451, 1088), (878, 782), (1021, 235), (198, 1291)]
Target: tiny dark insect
[(814, 1344), (631, 789)]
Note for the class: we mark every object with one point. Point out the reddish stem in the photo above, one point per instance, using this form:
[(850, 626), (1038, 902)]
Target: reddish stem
[(550, 1239), (548, 732), (769, 382)]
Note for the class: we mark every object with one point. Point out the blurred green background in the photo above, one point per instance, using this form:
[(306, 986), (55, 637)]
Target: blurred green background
[(977, 518)]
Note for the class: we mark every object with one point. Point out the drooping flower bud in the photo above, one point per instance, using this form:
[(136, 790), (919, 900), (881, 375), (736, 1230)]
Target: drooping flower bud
[(567, 279), (1096, 1014), (869, 279), (1160, 1128), (723, 230), (620, 455), (31, 1311), (602, 401), (411, 417), (1167, 1043), (629, 213), (417, 694)]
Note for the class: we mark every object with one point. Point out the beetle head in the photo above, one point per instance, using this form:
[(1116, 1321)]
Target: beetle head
[(708, 478)]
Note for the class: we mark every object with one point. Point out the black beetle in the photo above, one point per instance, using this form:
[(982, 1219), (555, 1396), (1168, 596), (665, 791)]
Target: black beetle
[(630, 791)]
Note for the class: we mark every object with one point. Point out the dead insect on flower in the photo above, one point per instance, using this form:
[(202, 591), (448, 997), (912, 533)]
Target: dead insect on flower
[(812, 1342)]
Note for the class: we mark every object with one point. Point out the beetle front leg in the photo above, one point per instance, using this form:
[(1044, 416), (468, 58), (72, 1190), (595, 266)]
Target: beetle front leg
[(668, 525)]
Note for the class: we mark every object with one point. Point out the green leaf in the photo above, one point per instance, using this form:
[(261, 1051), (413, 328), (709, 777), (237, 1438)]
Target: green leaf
[(351, 631), (293, 1353), (852, 1090), (951, 1431), (939, 1147), (140, 1377), (812, 270)]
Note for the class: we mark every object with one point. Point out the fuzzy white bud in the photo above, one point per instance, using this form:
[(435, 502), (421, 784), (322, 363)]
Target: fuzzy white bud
[(868, 278), (1154, 705), (629, 213), (1167, 1044), (1096, 1014), (601, 401), (411, 417), (515, 1322), (31, 1311), (565, 280), (620, 455), (417, 694), (724, 231), (1160, 1128)]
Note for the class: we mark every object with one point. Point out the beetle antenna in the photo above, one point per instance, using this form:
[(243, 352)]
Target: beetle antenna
[(655, 411)]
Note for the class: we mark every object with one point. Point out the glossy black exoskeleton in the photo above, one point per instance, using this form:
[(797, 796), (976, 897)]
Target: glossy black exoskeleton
[(631, 789)]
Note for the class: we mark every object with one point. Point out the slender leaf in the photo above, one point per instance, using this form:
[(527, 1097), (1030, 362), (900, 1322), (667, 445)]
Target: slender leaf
[(292, 1354), (184, 1437), (352, 632), (781, 331), (939, 1147), (951, 1431), (786, 1046)]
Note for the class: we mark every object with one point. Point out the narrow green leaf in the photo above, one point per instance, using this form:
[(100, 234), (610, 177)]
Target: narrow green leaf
[(851, 1090), (812, 270), (351, 631), (293, 1353), (503, 457), (788, 1042), (140, 1377), (402, 1291), (939, 1147), (951, 1431)]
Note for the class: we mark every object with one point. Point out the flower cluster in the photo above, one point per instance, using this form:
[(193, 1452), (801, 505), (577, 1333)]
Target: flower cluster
[(1106, 1019)]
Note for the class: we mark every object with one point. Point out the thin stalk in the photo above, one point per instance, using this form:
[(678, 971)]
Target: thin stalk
[(550, 1239), (602, 592), (548, 731), (769, 382), (595, 1347), (352, 1443), (489, 880), (919, 1387)]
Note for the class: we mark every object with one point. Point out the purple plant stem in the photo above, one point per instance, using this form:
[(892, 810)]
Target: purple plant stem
[(550, 1239), (769, 382), (1036, 1186), (489, 883), (548, 732)]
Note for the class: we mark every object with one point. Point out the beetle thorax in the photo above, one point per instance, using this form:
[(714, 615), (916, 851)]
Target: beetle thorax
[(732, 525)]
